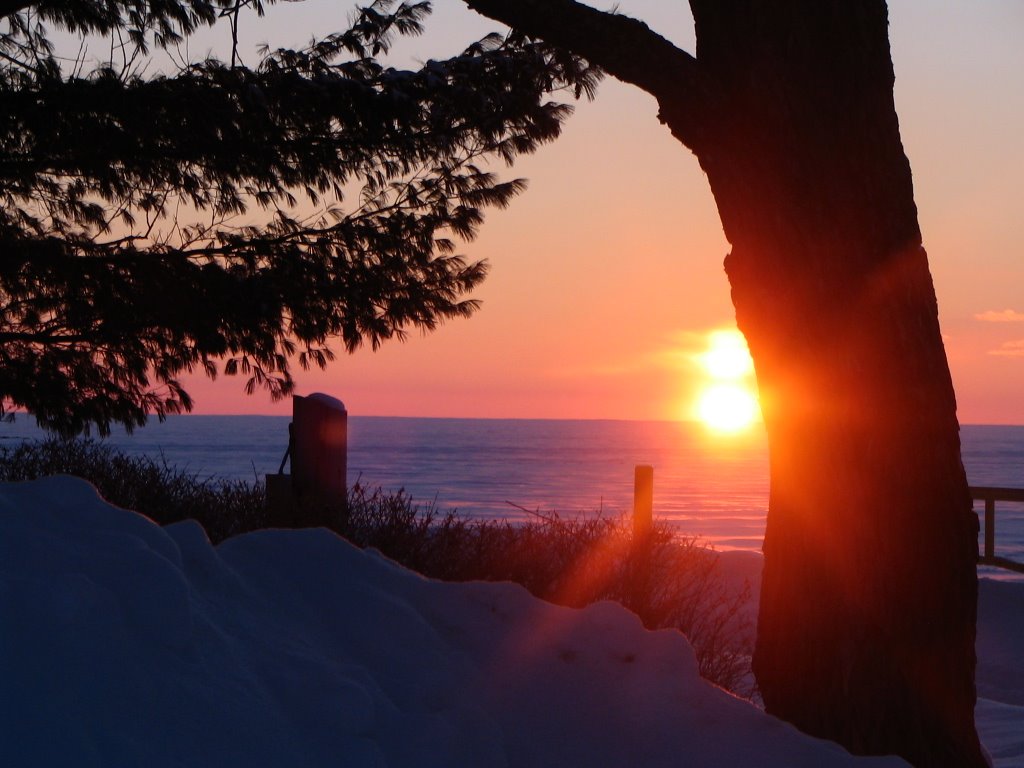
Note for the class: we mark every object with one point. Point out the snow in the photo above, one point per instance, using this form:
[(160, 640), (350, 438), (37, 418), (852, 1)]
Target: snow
[(124, 644), (1000, 676), (327, 400)]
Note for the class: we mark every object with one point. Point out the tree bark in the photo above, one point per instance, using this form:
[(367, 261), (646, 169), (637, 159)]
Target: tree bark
[(868, 602)]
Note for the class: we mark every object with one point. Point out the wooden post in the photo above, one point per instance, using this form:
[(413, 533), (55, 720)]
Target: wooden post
[(319, 455), (643, 501), (316, 492), (990, 528)]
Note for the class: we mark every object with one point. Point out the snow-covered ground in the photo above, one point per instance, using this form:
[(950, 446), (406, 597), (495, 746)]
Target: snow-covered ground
[(125, 644)]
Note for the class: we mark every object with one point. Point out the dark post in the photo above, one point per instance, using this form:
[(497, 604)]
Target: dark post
[(319, 456), (990, 528), (643, 501), (315, 493)]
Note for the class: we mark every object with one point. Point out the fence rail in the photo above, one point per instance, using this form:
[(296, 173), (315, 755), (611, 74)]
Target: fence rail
[(990, 495)]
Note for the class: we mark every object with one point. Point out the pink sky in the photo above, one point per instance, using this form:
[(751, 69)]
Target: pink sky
[(606, 275)]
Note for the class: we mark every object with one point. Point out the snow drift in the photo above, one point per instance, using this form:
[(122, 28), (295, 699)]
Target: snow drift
[(127, 644)]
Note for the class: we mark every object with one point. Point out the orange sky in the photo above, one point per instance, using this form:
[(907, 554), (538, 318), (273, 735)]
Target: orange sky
[(607, 274)]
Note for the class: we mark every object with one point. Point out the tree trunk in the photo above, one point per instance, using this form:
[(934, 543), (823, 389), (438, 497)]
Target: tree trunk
[(868, 601), (867, 616)]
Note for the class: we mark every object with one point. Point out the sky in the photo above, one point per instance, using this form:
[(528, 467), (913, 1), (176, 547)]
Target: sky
[(130, 644), (606, 275)]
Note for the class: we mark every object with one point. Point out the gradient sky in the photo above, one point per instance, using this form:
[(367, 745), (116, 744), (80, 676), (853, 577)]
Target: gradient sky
[(606, 275)]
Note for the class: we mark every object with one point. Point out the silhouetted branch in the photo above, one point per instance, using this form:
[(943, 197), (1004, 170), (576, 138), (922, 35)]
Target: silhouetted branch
[(8, 7), (625, 48), (125, 259)]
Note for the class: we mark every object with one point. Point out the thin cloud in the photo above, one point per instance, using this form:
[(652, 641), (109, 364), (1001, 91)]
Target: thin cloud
[(1002, 316), (1010, 349), (685, 349)]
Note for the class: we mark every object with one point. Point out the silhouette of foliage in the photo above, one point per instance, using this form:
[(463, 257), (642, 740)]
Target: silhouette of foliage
[(228, 219)]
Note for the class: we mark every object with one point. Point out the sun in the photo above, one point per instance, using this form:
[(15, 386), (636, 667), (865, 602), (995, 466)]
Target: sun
[(728, 401), (727, 407), (727, 356)]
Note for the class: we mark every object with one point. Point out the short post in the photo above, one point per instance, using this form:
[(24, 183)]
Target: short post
[(643, 501), (990, 528), (280, 500)]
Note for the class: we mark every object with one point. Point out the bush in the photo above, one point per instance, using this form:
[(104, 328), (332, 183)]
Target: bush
[(667, 580)]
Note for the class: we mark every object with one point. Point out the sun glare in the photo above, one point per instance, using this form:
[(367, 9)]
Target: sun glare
[(727, 407), (727, 356), (728, 401)]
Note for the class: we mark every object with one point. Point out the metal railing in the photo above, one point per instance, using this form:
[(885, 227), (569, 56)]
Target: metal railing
[(990, 495)]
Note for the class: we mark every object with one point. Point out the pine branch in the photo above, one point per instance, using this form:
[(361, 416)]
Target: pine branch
[(107, 295), (9, 7)]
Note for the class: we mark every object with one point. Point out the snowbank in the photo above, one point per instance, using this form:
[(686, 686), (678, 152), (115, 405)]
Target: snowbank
[(1000, 677), (125, 644)]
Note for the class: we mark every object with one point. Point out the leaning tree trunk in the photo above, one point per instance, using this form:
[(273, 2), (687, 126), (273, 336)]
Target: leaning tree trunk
[(866, 627), (868, 601)]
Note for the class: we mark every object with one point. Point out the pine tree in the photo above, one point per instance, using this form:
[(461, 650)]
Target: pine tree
[(222, 218)]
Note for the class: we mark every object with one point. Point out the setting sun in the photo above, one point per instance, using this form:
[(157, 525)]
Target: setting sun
[(728, 401), (727, 407), (727, 356)]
